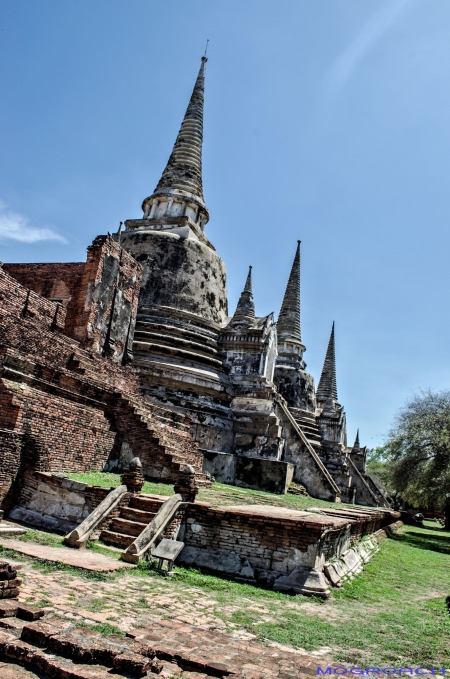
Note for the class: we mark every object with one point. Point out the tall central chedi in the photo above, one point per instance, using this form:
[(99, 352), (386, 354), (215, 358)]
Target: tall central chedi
[(182, 269), (183, 299)]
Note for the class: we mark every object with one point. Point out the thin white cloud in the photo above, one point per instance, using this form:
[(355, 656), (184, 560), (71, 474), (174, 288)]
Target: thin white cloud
[(14, 226), (374, 29)]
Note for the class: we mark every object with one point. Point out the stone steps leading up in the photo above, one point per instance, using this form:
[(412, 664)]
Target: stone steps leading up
[(138, 515), (116, 539), (168, 440), (145, 504), (127, 527), (307, 423)]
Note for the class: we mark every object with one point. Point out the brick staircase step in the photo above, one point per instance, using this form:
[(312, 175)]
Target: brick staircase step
[(138, 515), (146, 504), (116, 539), (127, 527), (72, 652)]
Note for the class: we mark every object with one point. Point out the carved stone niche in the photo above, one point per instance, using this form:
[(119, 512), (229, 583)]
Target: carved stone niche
[(186, 484), (133, 479)]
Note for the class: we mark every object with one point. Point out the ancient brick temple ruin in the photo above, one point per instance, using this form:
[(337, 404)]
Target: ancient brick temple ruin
[(133, 353)]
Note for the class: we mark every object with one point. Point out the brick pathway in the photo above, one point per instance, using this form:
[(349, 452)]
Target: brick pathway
[(80, 558), (171, 650), (195, 649), (177, 620)]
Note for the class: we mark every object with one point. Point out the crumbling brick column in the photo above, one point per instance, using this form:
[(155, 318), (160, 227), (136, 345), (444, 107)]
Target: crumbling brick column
[(133, 479), (186, 484), (9, 582)]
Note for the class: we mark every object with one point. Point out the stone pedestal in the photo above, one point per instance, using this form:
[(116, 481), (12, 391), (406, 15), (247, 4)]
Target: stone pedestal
[(186, 485), (133, 479)]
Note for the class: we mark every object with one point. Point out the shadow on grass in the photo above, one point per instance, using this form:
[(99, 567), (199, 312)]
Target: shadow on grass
[(439, 529), (422, 540)]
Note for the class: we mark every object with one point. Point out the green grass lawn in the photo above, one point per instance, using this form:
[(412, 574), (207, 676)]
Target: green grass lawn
[(218, 494)]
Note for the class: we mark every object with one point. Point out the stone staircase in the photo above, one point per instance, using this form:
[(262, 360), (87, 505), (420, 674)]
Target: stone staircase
[(131, 521), (164, 433), (170, 430), (308, 425)]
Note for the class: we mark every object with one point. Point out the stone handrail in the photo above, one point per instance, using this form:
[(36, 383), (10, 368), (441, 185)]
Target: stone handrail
[(310, 449), (368, 488), (150, 534), (80, 535)]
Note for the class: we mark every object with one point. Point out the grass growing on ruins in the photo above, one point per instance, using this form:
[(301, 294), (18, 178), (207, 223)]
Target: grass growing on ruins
[(42, 538), (392, 614), (219, 494)]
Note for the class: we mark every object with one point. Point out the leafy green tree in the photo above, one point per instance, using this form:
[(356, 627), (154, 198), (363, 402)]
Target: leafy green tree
[(378, 466), (377, 463), (418, 451)]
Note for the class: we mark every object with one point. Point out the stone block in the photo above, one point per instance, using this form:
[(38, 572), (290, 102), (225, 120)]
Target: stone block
[(74, 485), (303, 581), (273, 476), (220, 465), (8, 609), (132, 663), (39, 633), (26, 612), (9, 593)]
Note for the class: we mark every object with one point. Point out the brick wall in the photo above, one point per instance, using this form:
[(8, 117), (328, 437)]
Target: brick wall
[(10, 468), (265, 541), (57, 282), (24, 303), (93, 495), (65, 408), (107, 301), (72, 436), (268, 542), (96, 301)]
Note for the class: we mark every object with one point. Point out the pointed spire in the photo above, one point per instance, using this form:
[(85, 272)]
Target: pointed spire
[(356, 445), (245, 310), (288, 326), (183, 172), (327, 389)]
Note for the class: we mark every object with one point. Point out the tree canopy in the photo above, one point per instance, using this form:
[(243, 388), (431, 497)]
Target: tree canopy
[(418, 451)]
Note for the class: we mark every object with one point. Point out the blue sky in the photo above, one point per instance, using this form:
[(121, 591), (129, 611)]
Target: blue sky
[(325, 120)]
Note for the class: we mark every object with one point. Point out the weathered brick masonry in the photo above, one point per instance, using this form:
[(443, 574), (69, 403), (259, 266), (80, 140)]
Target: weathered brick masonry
[(69, 404), (58, 282), (275, 547), (99, 296)]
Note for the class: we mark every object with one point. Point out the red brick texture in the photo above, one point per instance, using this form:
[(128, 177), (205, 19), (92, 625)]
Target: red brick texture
[(65, 408), (107, 300), (267, 541), (96, 301), (56, 282)]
